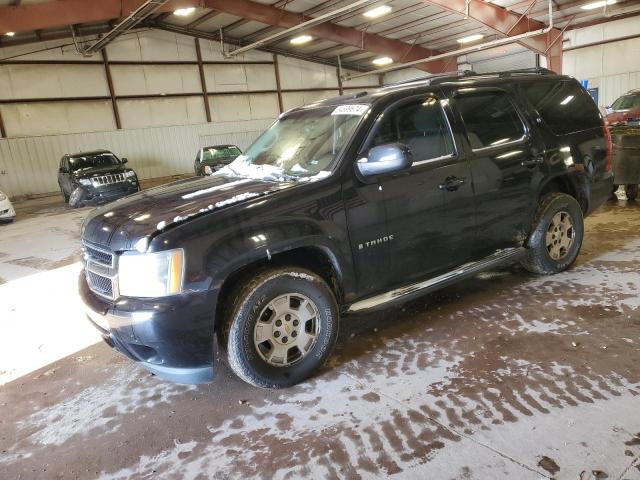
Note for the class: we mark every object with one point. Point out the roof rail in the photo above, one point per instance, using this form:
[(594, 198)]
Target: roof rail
[(429, 78), (503, 74), (526, 71)]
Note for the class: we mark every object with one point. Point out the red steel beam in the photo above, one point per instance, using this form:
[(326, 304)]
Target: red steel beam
[(508, 23), (329, 31), (62, 13), (59, 13)]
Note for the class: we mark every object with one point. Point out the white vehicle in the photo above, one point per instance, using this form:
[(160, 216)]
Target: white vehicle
[(7, 213)]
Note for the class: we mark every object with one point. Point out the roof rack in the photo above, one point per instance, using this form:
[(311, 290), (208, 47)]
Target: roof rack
[(439, 78), (503, 74), (430, 78)]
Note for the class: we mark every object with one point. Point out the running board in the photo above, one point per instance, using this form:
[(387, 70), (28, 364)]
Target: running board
[(408, 292)]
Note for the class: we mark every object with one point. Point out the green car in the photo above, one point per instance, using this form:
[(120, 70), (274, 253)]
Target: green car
[(213, 158)]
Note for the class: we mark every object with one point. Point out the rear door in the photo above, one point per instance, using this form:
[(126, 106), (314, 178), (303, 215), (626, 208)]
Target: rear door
[(504, 160)]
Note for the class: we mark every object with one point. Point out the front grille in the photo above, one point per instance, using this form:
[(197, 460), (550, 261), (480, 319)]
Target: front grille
[(99, 256), (108, 179), (99, 284), (100, 270)]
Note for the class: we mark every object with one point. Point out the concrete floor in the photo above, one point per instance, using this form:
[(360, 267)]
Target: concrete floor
[(506, 375)]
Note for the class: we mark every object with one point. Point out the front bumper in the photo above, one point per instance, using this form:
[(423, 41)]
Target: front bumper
[(172, 337), (85, 196)]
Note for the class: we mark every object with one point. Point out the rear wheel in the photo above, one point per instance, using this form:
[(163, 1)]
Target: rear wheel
[(558, 229), (631, 191), (281, 328)]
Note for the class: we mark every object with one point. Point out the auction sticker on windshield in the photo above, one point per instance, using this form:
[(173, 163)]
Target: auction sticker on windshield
[(350, 110)]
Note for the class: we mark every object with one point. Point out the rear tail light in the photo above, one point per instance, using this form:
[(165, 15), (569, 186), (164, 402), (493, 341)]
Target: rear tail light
[(609, 146)]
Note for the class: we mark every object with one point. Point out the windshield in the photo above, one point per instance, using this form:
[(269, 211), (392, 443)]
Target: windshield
[(300, 145), (211, 154), (626, 102), (92, 161)]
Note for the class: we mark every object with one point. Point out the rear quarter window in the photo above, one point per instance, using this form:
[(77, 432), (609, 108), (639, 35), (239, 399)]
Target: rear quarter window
[(564, 106)]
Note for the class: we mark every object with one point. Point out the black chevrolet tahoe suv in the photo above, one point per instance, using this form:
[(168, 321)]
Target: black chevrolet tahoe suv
[(345, 205), (95, 177)]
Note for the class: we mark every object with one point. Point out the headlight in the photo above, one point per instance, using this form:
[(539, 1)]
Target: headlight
[(85, 181), (3, 197), (151, 274), (129, 174)]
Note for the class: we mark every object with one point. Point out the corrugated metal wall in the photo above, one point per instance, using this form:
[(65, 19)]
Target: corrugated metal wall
[(612, 67), (29, 165), (161, 135)]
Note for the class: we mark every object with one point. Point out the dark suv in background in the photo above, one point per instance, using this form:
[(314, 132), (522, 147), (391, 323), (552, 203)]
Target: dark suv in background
[(213, 158), (346, 205), (95, 177)]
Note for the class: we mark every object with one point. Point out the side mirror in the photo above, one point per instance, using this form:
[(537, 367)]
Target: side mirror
[(384, 160), (63, 170), (124, 160)]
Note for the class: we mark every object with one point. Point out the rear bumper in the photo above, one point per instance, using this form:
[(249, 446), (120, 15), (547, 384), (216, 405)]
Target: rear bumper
[(600, 192), (171, 337)]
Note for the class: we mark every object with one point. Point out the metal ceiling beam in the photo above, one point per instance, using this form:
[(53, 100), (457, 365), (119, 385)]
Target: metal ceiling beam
[(140, 14), (214, 36), (27, 17), (206, 17), (305, 25), (330, 31), (508, 23)]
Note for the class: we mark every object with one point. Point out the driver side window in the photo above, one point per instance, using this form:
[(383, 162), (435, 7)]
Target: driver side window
[(421, 126)]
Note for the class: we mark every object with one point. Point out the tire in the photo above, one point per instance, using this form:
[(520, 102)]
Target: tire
[(65, 197), (631, 191), (555, 213), (252, 318)]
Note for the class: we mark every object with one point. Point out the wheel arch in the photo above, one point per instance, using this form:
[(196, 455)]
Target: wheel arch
[(574, 185), (319, 259)]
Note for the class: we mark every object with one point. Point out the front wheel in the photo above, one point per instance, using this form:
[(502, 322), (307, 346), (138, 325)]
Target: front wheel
[(281, 328), (558, 229), (631, 191)]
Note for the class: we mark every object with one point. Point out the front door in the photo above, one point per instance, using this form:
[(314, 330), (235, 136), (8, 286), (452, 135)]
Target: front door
[(504, 159), (422, 239)]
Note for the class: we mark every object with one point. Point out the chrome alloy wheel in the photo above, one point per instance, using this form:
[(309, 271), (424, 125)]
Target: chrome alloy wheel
[(286, 329), (560, 235)]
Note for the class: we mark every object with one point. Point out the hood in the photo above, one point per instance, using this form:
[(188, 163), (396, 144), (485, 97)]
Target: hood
[(122, 223), (98, 171)]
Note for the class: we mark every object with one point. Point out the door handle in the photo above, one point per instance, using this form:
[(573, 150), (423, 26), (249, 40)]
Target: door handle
[(532, 161), (451, 184)]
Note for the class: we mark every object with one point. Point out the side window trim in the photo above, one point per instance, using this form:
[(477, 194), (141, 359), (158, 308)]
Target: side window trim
[(405, 101), (526, 136)]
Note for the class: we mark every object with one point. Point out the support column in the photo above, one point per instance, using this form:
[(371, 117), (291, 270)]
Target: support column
[(114, 102), (203, 80), (554, 57), (276, 70), (340, 90)]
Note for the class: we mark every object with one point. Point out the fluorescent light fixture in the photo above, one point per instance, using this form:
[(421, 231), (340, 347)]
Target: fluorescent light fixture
[(301, 39), (380, 61), (10, 34), (471, 38), (600, 4), (184, 12), (377, 12)]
